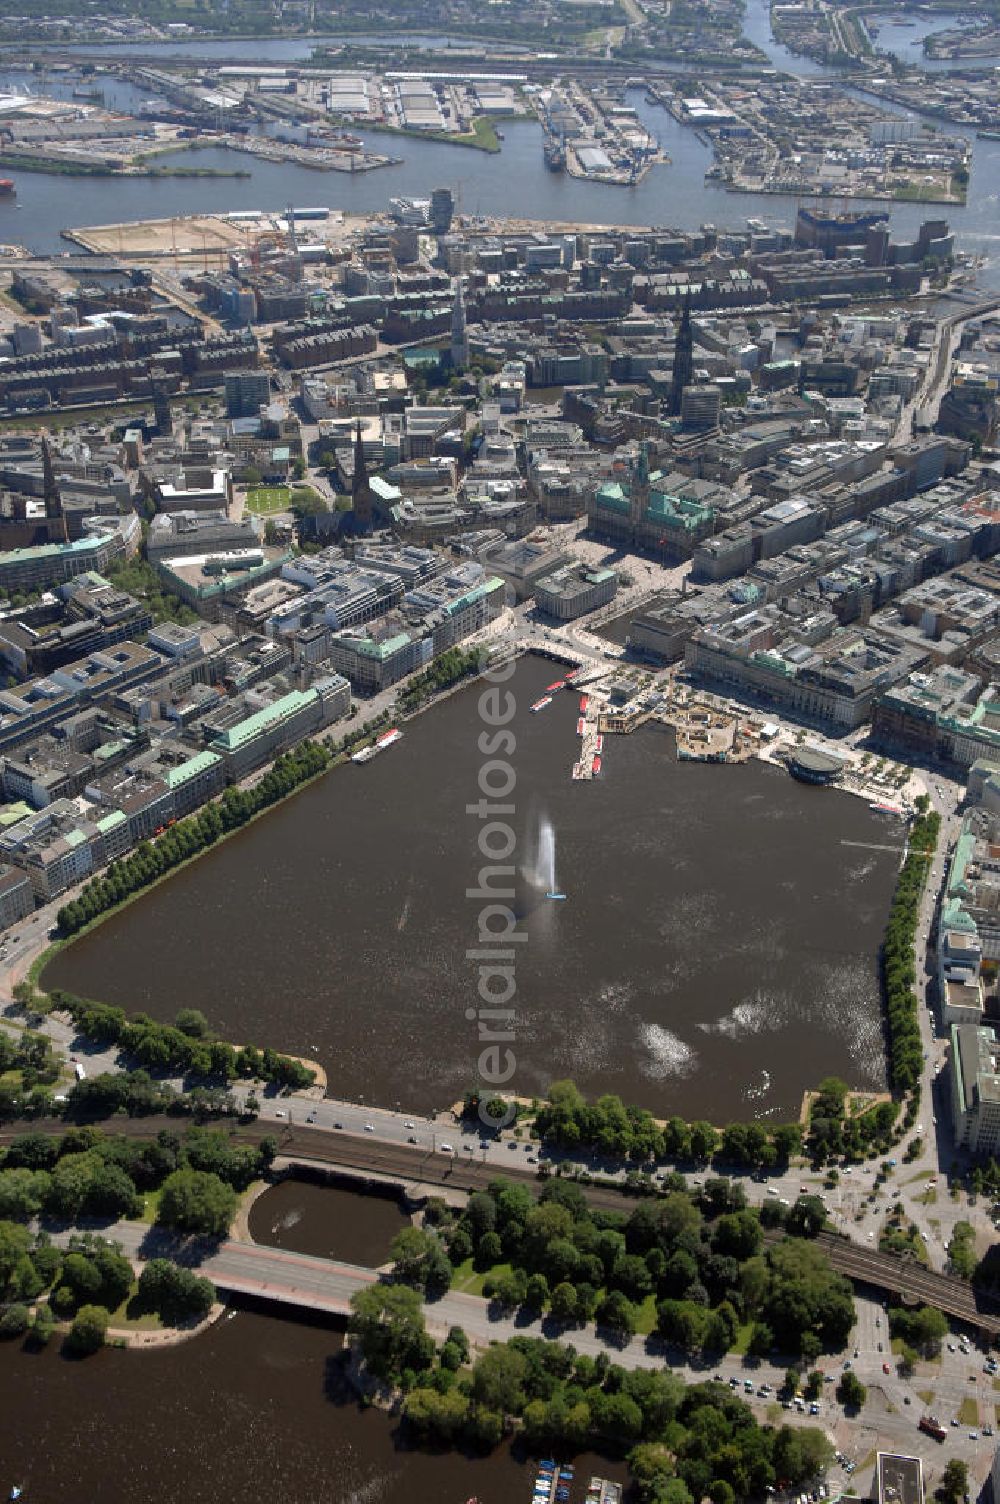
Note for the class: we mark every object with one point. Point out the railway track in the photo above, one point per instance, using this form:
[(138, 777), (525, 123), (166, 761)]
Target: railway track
[(418, 1167)]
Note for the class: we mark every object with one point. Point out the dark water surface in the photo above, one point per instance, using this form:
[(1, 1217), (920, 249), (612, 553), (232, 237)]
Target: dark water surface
[(252, 1412), (329, 1221), (716, 954)]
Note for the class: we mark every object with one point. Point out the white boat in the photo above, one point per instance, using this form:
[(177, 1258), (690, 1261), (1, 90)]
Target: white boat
[(541, 704), (389, 738), (365, 755)]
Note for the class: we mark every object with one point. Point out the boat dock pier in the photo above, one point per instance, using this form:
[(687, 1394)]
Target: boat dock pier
[(552, 1483)]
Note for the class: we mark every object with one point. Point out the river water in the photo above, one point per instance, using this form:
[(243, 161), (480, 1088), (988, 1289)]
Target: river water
[(907, 42), (715, 957), (512, 182)]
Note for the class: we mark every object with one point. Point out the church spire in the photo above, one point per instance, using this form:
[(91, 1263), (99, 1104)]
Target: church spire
[(459, 331), (55, 517), (361, 491), (683, 362)]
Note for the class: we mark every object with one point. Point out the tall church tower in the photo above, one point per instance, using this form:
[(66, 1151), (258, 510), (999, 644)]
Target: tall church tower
[(683, 362), (459, 332), (55, 517), (638, 491), (361, 491)]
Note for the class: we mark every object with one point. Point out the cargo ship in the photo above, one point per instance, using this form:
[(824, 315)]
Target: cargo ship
[(555, 156), (7, 189)]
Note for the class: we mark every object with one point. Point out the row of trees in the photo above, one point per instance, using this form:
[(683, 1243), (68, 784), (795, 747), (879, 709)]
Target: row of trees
[(88, 1173), (699, 1259), (898, 961), (178, 1047), (610, 1127), (446, 670), (683, 1443), (136, 1094), (187, 838)]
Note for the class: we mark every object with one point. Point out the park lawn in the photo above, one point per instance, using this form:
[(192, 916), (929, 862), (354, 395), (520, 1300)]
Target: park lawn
[(647, 1316), (128, 1314), (968, 1412), (266, 500), (150, 1205), (743, 1336), (927, 1395), (470, 1281)]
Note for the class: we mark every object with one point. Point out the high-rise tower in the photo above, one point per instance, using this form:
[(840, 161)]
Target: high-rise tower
[(683, 363), (442, 209), (161, 405), (459, 332)]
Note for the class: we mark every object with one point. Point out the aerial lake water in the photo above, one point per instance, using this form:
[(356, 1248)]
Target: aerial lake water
[(715, 957)]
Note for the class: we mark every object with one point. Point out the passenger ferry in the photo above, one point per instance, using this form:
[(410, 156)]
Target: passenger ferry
[(581, 727), (551, 688), (541, 704), (597, 766), (387, 739), (584, 702)]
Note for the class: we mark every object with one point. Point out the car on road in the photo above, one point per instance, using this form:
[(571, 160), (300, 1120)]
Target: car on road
[(338, 1125), (408, 1124), (885, 1368), (369, 1127), (311, 1118), (280, 1114), (446, 1148), (413, 1139)]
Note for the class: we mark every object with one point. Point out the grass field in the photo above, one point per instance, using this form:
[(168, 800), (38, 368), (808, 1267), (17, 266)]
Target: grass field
[(265, 500), (968, 1412)]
